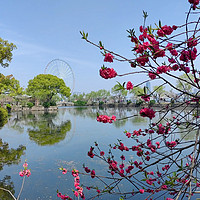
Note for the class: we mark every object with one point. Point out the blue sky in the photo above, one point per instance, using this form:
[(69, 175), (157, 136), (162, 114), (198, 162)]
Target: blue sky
[(44, 30)]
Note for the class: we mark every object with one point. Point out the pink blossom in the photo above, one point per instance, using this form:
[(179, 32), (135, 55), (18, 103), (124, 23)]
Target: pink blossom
[(152, 75), (76, 193), (141, 191), (192, 42), (145, 97), (107, 72), (25, 165), (167, 30), (64, 171), (21, 173), (129, 85), (147, 112), (142, 60), (92, 174), (106, 119), (171, 144), (162, 69), (108, 57), (98, 191)]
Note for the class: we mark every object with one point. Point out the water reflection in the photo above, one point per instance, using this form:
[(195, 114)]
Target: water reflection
[(10, 156), (119, 112), (6, 183), (48, 133), (44, 128)]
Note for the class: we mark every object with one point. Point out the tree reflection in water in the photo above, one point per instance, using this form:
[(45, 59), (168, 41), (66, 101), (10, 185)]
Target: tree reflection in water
[(6, 183), (45, 131), (8, 157)]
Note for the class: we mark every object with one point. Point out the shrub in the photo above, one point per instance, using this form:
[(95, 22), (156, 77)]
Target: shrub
[(52, 103), (30, 104), (46, 104), (80, 103), (138, 103), (8, 106), (101, 103), (3, 116), (152, 102)]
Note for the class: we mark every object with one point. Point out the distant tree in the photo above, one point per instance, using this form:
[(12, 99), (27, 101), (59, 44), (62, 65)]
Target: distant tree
[(9, 85), (6, 49), (159, 91), (183, 85), (45, 86), (116, 89), (137, 91)]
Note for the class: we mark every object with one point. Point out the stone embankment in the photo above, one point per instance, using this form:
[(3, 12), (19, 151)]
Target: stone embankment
[(34, 108)]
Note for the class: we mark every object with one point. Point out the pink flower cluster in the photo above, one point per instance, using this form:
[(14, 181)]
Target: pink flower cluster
[(25, 171), (106, 119), (64, 197), (78, 191), (64, 170), (165, 30), (107, 72), (171, 144), (108, 57), (92, 172), (152, 75), (129, 85), (194, 3), (147, 112), (146, 97), (142, 60), (188, 55), (162, 69)]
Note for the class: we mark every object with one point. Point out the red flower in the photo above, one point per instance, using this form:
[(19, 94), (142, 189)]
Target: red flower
[(107, 72), (145, 97), (162, 69), (171, 144), (167, 30), (141, 191), (129, 85), (108, 57), (92, 174), (147, 112), (106, 119), (192, 42), (142, 60), (152, 75)]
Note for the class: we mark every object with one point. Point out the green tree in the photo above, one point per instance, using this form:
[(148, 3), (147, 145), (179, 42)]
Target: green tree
[(117, 90), (185, 86), (159, 91), (136, 91), (6, 49), (9, 85), (45, 86)]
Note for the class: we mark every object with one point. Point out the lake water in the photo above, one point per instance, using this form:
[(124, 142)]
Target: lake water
[(58, 139)]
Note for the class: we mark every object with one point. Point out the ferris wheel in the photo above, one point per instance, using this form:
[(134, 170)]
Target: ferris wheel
[(62, 70)]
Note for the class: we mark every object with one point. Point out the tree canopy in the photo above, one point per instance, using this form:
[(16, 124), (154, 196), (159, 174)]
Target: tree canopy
[(45, 86), (8, 84), (6, 49)]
